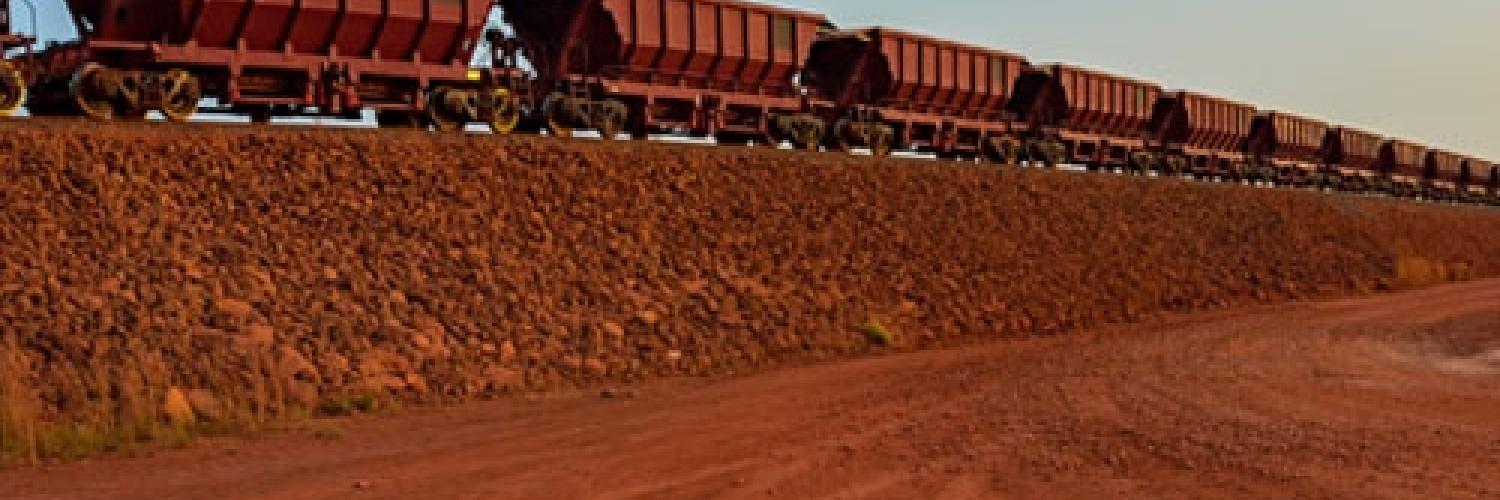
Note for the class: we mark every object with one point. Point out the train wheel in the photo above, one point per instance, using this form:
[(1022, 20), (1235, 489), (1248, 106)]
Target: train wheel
[(12, 89), (1000, 151), (505, 115), (881, 146), (609, 126), (91, 89), (808, 139), (610, 118), (555, 128), (843, 137), (609, 130), (441, 123), (1049, 153), (805, 132), (1180, 165), (182, 95), (438, 111), (554, 117)]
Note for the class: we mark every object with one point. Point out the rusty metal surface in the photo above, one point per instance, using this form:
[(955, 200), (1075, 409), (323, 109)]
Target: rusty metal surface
[(1203, 122), (1402, 157), (1476, 171), (1285, 137), (727, 45), (419, 31), (1103, 103), (909, 71), (1442, 165), (1356, 149)]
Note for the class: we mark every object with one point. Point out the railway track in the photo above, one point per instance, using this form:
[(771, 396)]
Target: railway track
[(230, 121), (731, 70)]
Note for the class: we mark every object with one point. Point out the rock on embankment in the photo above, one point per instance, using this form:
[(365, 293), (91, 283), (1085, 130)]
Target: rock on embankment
[(236, 274)]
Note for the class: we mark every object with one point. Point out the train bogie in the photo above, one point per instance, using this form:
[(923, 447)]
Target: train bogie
[(737, 70)]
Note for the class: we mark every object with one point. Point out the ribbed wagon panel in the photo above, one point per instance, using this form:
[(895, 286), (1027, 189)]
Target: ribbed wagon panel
[(1358, 149), (441, 31), (705, 49), (733, 47), (453, 29), (1289, 137), (997, 80), (717, 44), (1476, 172), (1401, 157), (397, 37), (887, 67), (676, 34), (964, 84), (265, 24), (1443, 165), (357, 25), (1103, 103), (314, 26), (1216, 124)]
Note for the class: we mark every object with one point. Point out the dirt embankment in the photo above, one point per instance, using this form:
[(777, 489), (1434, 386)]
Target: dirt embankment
[(1350, 398), (223, 277)]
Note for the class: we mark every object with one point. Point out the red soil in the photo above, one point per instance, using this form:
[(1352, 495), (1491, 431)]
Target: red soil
[(1351, 398)]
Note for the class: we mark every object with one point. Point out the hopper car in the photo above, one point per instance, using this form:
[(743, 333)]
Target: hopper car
[(883, 88), (717, 68), (1294, 150), (1104, 120), (737, 71), (1478, 180), (403, 59)]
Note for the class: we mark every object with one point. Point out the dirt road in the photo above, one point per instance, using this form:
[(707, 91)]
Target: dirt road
[(1387, 397)]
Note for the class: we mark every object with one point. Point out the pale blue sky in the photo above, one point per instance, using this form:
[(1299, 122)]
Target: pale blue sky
[(1427, 70)]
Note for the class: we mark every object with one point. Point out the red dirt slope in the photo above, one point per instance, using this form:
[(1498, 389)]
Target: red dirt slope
[(231, 276), (1344, 399)]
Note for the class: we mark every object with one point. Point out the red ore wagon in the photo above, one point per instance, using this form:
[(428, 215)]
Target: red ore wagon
[(1401, 165), (885, 88), (1477, 177), (709, 67), (1440, 173), (1297, 147), (1207, 133), (1107, 115), (1401, 160), (1356, 152), (406, 59)]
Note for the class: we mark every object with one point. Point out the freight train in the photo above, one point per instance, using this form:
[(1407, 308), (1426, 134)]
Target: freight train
[(737, 71)]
